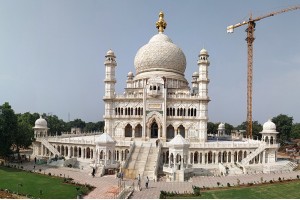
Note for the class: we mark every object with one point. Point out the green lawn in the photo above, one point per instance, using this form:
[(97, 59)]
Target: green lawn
[(52, 187), (286, 190)]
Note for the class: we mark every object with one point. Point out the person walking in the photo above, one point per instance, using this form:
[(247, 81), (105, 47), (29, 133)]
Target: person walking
[(93, 173), (139, 182), (147, 182)]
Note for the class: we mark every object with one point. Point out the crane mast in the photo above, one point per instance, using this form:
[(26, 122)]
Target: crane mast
[(250, 39)]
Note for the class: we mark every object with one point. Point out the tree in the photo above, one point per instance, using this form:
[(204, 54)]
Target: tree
[(212, 128), (77, 123), (228, 128), (256, 128), (55, 125), (295, 132), (284, 125), (23, 137), (8, 126)]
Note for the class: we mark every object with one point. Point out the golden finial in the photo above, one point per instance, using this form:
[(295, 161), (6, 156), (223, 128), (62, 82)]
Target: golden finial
[(161, 24)]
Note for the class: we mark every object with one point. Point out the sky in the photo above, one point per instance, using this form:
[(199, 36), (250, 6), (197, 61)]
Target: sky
[(52, 53)]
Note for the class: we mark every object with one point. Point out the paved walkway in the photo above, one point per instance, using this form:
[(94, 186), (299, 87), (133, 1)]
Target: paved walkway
[(107, 186), (155, 187)]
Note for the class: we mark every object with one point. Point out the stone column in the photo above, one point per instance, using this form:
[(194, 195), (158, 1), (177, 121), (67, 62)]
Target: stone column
[(159, 129), (232, 157), (133, 132)]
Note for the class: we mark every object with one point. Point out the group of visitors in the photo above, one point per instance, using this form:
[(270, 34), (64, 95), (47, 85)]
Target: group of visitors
[(139, 182)]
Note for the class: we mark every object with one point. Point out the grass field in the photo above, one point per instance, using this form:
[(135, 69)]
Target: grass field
[(284, 190), (30, 183)]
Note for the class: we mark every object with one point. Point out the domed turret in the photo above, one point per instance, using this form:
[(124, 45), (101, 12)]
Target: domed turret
[(203, 52), (221, 126), (269, 127), (110, 53), (104, 139), (40, 128), (41, 123)]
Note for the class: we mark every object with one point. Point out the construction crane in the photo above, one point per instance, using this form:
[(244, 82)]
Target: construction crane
[(250, 39)]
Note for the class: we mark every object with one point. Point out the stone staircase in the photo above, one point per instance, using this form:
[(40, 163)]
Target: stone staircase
[(151, 163), (143, 161), (49, 146), (140, 163), (257, 151), (234, 170)]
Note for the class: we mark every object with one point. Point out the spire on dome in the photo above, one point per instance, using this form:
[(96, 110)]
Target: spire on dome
[(161, 24)]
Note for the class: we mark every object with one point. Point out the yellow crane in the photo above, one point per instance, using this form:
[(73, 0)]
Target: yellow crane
[(250, 39)]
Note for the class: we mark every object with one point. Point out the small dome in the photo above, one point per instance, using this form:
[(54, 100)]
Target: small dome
[(104, 139), (110, 53), (130, 74), (178, 140), (203, 52), (40, 123), (269, 127), (221, 126), (196, 74)]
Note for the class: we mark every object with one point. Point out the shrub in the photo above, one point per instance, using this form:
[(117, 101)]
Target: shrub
[(298, 176), (271, 181), (196, 190), (228, 184), (49, 174), (279, 179), (162, 195), (218, 183), (40, 170)]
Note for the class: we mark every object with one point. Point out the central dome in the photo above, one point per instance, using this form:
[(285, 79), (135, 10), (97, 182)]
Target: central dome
[(160, 54)]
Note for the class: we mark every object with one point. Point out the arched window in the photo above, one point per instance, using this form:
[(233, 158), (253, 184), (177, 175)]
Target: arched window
[(178, 113), (195, 111), (116, 111), (135, 111), (170, 132), (184, 112), (188, 112), (150, 87), (121, 111), (181, 131), (154, 87), (101, 155), (125, 111), (128, 130), (196, 155), (138, 131), (181, 112), (131, 111), (167, 111), (158, 88), (173, 111)]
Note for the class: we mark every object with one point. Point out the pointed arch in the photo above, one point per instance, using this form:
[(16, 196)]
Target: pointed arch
[(128, 130), (170, 132)]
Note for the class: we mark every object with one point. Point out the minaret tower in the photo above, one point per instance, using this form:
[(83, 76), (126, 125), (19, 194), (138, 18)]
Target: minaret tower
[(203, 81), (110, 81)]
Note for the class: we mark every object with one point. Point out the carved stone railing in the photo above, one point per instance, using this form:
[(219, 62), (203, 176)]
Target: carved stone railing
[(132, 147)]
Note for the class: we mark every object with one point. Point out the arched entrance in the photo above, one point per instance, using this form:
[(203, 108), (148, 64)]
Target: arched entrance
[(154, 130)]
